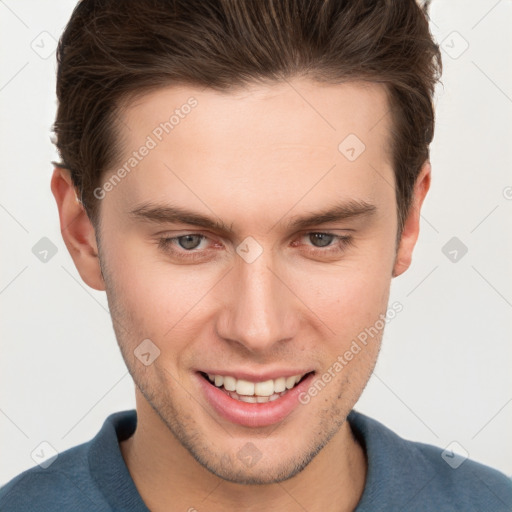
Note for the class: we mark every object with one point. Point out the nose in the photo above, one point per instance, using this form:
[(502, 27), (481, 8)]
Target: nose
[(258, 311)]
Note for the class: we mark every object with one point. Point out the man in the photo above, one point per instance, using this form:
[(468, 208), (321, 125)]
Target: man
[(244, 179)]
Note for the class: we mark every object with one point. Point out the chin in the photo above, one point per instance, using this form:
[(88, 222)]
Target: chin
[(264, 472), (252, 464)]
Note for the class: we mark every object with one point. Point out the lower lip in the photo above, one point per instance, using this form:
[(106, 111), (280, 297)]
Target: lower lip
[(249, 414)]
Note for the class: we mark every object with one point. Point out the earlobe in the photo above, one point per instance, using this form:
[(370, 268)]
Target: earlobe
[(77, 230), (411, 227)]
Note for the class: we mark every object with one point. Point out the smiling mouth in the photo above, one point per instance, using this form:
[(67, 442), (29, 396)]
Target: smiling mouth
[(254, 392)]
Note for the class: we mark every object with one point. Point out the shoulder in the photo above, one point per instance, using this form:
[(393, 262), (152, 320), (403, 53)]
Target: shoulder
[(423, 477), (464, 483), (65, 484), (90, 476)]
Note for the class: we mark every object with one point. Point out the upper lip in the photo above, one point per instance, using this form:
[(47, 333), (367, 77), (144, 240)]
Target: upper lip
[(261, 376)]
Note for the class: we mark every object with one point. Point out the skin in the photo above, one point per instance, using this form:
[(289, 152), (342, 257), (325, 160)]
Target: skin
[(254, 159)]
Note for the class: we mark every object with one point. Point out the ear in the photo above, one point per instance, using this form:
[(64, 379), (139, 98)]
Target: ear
[(77, 230), (412, 223)]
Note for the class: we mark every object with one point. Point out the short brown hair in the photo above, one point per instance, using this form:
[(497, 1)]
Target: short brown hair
[(113, 50)]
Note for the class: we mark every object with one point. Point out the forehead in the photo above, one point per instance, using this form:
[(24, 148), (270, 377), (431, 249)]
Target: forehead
[(256, 146), (264, 112)]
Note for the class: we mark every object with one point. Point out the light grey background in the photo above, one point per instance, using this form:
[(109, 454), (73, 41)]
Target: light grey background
[(444, 372)]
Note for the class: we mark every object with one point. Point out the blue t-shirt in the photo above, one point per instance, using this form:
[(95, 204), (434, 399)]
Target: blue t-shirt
[(402, 476)]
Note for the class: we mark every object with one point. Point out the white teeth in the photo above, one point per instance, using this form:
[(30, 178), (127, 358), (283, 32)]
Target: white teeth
[(279, 385), (229, 383), (255, 399), (264, 388), (250, 399), (265, 391), (290, 382), (244, 387)]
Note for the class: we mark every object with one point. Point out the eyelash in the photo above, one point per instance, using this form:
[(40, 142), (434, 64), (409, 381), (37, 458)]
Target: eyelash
[(166, 244)]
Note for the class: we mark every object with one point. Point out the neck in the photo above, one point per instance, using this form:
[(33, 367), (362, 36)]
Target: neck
[(165, 473)]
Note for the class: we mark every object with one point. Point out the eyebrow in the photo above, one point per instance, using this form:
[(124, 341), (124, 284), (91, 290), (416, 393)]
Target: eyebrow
[(171, 214), (337, 212)]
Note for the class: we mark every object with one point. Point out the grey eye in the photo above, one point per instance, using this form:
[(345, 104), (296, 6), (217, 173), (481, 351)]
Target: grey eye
[(189, 241), (320, 239)]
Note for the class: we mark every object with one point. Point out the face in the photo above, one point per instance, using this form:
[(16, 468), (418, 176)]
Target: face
[(252, 249)]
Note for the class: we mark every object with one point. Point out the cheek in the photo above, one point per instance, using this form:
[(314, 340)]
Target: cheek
[(351, 295), (350, 313), (154, 293), (352, 306), (151, 299)]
